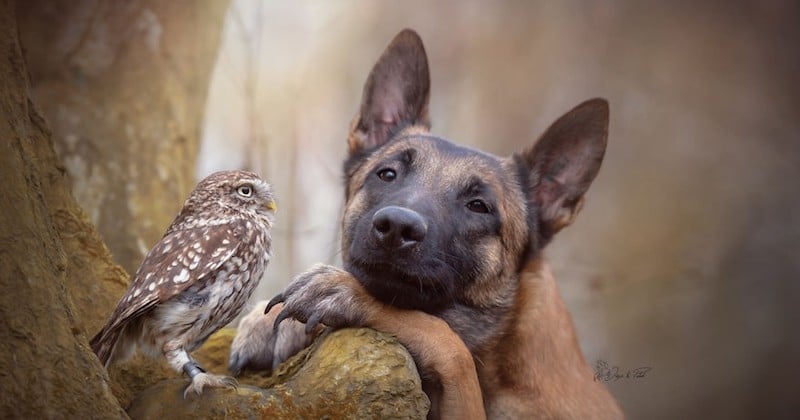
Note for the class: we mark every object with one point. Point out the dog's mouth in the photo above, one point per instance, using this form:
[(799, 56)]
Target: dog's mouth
[(412, 286)]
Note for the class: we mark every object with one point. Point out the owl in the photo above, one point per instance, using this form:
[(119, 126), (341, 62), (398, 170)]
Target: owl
[(197, 278)]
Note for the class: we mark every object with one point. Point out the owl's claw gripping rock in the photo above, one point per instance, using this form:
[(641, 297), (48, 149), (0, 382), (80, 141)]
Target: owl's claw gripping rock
[(202, 380)]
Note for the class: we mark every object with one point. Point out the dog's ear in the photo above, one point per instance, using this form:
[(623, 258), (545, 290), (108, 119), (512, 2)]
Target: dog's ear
[(395, 94), (563, 163)]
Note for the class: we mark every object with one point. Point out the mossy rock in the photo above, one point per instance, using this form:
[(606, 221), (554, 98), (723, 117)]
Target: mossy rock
[(349, 373)]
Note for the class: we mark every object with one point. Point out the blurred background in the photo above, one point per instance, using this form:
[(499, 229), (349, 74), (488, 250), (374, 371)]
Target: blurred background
[(686, 257)]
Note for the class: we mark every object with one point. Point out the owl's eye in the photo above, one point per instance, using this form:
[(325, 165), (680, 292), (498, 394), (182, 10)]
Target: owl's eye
[(245, 191)]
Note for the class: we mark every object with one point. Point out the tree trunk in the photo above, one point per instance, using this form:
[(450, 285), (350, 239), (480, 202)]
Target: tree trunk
[(48, 252), (123, 86)]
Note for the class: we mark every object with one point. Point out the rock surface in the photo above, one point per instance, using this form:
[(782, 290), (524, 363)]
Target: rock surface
[(351, 373)]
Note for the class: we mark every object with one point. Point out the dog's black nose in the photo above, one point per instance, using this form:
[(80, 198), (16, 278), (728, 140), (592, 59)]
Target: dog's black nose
[(398, 227)]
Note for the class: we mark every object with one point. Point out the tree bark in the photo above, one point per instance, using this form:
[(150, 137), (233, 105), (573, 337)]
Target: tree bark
[(47, 250), (123, 85)]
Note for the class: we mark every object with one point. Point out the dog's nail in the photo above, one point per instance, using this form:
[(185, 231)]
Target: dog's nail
[(312, 322), (274, 301), (281, 316), (233, 364)]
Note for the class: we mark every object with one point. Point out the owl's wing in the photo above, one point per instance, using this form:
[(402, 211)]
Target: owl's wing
[(177, 261)]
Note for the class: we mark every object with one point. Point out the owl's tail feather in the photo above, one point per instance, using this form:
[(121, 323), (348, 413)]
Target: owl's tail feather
[(104, 344)]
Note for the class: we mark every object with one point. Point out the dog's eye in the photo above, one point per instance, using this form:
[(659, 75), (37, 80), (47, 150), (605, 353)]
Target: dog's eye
[(245, 191), (478, 206), (387, 175)]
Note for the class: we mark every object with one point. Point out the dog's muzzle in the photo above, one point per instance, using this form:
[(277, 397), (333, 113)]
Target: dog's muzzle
[(398, 228)]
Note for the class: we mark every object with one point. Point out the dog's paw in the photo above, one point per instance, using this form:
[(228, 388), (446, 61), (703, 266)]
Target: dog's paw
[(323, 294), (258, 347)]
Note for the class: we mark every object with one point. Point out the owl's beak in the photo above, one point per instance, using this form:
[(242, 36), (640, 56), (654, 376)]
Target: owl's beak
[(271, 205)]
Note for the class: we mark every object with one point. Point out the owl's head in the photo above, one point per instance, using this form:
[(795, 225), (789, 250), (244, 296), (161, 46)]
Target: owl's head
[(234, 192)]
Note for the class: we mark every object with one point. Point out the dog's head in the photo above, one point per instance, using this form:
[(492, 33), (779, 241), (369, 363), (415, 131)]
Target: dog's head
[(427, 222)]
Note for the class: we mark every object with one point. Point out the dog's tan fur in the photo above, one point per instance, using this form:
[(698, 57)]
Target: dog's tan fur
[(494, 339)]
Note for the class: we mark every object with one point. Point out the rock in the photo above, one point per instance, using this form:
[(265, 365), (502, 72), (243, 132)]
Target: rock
[(349, 373)]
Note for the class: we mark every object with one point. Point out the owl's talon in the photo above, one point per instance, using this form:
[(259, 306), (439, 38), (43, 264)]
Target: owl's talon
[(202, 380)]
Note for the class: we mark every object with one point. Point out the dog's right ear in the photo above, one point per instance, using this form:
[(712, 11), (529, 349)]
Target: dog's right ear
[(563, 163), (395, 95)]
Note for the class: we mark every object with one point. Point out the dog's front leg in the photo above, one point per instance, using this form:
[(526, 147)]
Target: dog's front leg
[(333, 297), (258, 347)]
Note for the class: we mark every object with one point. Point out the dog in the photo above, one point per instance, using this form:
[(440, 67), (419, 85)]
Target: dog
[(442, 247)]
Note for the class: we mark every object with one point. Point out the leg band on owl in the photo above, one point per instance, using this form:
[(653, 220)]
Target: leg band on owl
[(193, 369)]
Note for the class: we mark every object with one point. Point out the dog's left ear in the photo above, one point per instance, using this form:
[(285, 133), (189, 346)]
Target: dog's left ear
[(563, 163), (395, 94)]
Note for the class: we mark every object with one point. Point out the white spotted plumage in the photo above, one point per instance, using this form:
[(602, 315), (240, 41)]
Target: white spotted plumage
[(198, 277)]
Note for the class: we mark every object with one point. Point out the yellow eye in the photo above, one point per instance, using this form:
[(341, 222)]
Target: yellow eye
[(245, 191)]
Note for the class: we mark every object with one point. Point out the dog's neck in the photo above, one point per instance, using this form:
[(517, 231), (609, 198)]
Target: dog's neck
[(544, 329), (539, 355)]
